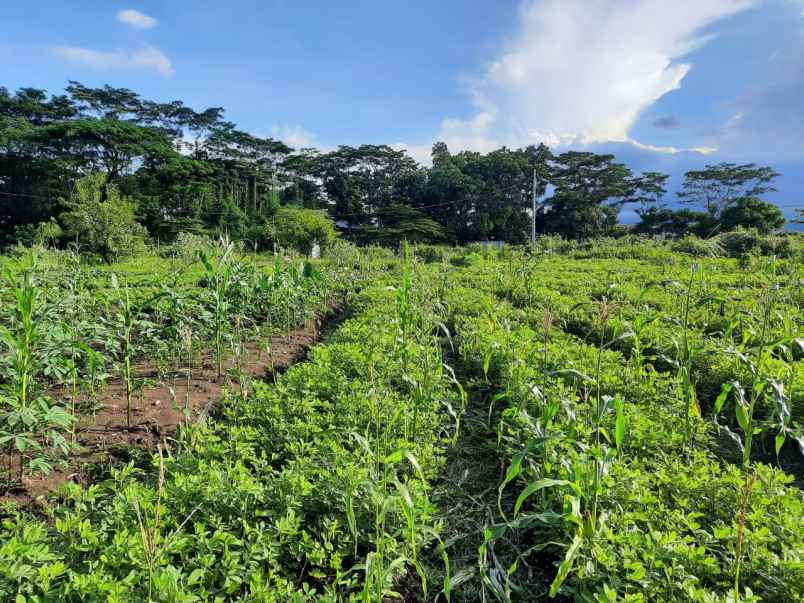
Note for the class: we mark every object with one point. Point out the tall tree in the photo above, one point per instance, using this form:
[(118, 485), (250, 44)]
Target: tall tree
[(360, 181), (648, 189), (482, 197), (719, 186), (590, 189)]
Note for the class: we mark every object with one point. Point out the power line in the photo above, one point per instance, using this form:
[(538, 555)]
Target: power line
[(25, 195), (374, 214)]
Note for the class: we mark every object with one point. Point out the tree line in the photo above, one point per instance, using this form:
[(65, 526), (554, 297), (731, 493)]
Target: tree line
[(173, 169)]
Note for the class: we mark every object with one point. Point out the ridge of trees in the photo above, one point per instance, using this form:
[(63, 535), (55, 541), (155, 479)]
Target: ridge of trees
[(187, 170)]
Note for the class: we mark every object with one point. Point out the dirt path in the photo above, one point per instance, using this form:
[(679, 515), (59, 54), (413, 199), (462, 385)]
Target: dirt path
[(159, 407)]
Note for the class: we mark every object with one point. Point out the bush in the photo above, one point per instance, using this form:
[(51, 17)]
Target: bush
[(694, 246), (300, 229), (24, 234), (675, 222), (188, 245), (429, 254), (230, 220), (48, 233), (344, 254), (750, 212), (743, 240), (101, 221), (44, 233)]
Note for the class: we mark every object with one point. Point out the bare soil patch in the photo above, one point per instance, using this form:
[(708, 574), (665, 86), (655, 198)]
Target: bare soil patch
[(158, 409)]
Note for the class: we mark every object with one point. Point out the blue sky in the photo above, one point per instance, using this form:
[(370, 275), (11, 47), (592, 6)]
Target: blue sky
[(665, 85)]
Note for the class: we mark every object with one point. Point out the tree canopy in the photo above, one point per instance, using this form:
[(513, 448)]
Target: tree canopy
[(717, 187), (186, 170)]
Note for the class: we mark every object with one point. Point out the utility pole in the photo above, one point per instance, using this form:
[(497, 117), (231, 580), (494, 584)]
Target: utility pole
[(533, 213)]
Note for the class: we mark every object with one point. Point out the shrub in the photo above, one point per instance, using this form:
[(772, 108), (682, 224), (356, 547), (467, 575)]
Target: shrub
[(300, 229), (743, 240), (24, 234), (675, 222), (230, 220), (101, 221), (694, 246), (750, 212), (429, 253), (342, 253), (47, 233), (188, 245)]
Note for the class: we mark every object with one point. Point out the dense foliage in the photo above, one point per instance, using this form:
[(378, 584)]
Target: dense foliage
[(618, 403), (300, 229), (183, 170)]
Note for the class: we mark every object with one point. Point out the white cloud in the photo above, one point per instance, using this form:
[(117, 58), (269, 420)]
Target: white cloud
[(148, 57), (579, 72), (735, 119), (419, 152), (294, 136), (136, 19), (704, 150)]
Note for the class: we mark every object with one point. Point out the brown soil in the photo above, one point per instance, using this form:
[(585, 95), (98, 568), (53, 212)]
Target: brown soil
[(156, 410)]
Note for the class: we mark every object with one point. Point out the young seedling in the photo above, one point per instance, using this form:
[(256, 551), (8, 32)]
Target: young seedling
[(127, 319)]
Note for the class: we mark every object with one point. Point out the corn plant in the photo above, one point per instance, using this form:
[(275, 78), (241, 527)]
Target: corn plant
[(94, 376), (218, 274), (126, 318), (186, 337), (755, 354), (683, 361), (128, 321)]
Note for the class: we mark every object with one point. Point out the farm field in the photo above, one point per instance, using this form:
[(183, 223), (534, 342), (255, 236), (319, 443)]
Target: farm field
[(606, 421)]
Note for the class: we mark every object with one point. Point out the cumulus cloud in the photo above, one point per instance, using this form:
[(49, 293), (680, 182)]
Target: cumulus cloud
[(294, 136), (136, 19), (579, 72), (146, 58), (419, 152)]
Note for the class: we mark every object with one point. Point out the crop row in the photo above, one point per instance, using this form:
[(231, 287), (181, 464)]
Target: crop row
[(708, 319), (68, 333), (610, 491), (311, 488)]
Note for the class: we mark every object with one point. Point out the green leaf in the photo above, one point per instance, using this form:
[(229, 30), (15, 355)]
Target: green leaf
[(415, 463), (394, 457), (195, 576), (779, 441), (575, 373), (513, 472), (535, 487), (721, 399), (742, 417), (566, 565), (619, 426), (350, 516)]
